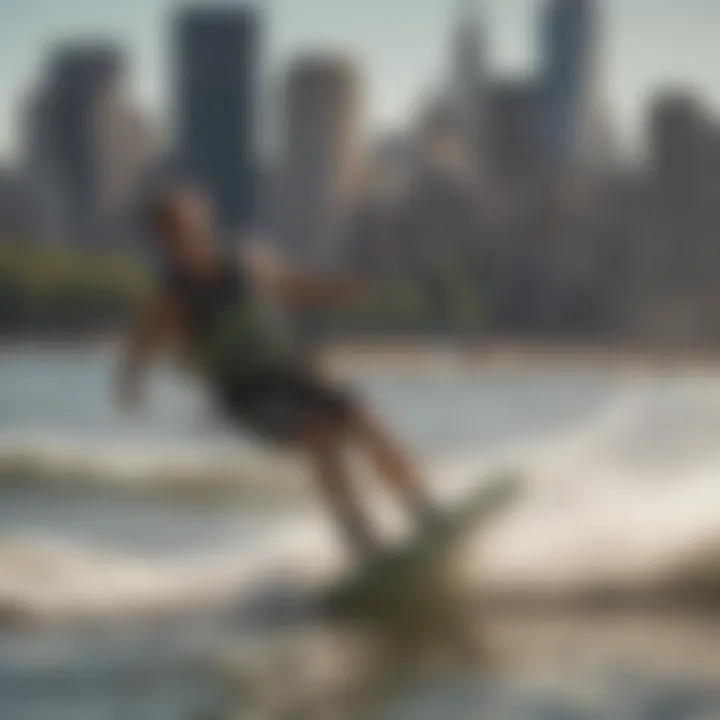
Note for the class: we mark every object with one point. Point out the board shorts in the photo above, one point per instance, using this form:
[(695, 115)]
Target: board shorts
[(279, 404)]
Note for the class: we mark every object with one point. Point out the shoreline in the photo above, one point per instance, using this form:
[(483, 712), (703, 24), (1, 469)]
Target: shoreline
[(499, 355), (429, 353)]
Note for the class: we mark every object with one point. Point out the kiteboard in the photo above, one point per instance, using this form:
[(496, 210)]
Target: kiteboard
[(407, 572)]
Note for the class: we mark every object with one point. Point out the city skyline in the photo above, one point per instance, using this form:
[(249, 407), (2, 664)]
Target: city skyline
[(636, 59)]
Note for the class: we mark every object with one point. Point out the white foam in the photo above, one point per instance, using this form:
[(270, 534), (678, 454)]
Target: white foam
[(628, 497), (624, 500), (208, 468), (43, 579)]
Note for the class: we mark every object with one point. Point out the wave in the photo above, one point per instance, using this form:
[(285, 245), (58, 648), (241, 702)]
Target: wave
[(622, 507), (626, 505), (173, 471), (47, 582)]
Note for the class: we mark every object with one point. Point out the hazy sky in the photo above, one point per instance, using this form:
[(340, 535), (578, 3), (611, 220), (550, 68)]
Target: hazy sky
[(402, 46)]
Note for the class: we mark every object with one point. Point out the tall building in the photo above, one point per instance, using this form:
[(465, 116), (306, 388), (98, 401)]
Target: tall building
[(16, 216), (679, 137), (685, 184), (64, 137), (217, 65), (127, 147), (570, 90), (321, 162), (514, 130), (469, 79), (43, 172)]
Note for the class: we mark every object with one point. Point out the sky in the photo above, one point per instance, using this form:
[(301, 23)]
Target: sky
[(402, 47)]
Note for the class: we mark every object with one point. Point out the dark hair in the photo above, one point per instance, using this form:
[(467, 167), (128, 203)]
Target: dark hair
[(161, 203), (154, 192), (157, 209)]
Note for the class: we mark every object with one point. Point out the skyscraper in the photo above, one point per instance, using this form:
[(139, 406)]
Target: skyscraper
[(64, 136), (16, 217), (217, 105), (680, 134), (51, 222), (514, 141), (322, 115), (469, 79), (570, 81)]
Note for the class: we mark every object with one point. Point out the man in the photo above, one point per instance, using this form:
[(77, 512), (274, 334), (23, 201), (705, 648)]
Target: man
[(219, 313)]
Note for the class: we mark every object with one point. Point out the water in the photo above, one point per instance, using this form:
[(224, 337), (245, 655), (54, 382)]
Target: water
[(135, 552)]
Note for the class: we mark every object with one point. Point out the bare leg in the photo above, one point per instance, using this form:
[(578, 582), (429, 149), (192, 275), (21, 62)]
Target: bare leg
[(326, 444), (392, 462)]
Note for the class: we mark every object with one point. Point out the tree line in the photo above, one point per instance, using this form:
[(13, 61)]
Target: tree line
[(64, 290), (59, 290)]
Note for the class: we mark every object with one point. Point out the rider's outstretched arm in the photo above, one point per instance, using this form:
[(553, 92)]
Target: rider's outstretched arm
[(155, 328)]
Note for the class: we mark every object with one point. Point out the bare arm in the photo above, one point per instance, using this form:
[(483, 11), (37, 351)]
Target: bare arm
[(295, 287), (157, 327)]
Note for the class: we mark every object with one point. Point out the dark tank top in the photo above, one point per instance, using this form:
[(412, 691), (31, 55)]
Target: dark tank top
[(231, 326)]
